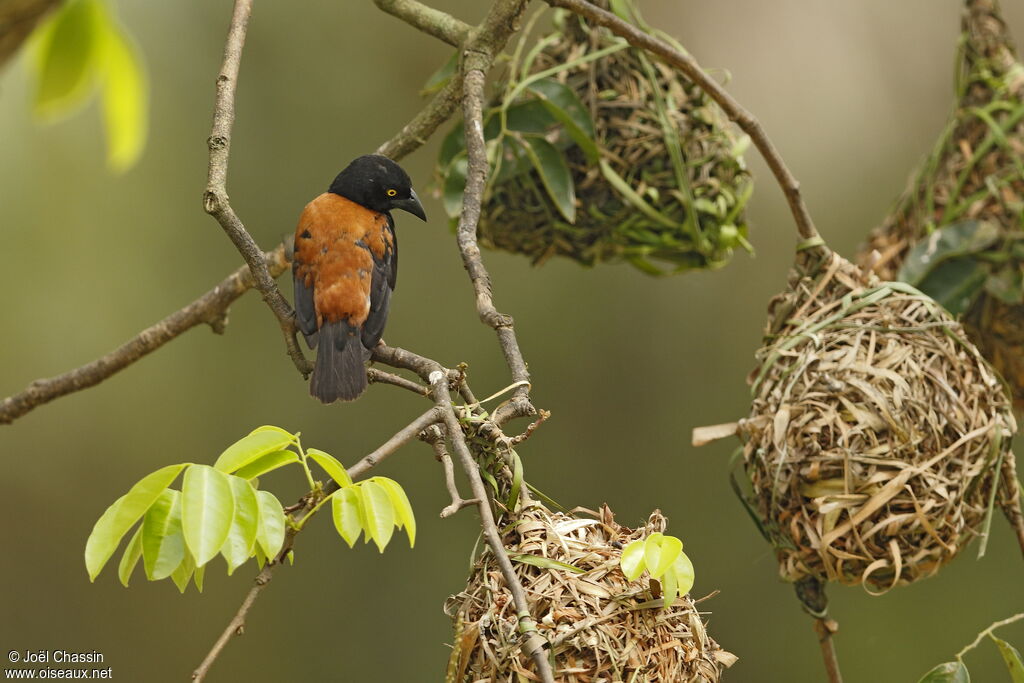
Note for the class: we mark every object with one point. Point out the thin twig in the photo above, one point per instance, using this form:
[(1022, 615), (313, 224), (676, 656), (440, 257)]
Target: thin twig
[(375, 376), (215, 198), (211, 308), (1011, 503), (533, 643), (431, 21), (988, 631), (825, 627), (743, 118), (435, 437), (810, 592)]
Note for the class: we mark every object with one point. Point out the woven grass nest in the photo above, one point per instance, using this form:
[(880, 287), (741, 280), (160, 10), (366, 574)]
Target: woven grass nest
[(602, 628), (607, 156), (877, 433), (957, 233)]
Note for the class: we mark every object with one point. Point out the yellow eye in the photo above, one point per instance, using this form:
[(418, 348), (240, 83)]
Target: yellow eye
[(392, 193)]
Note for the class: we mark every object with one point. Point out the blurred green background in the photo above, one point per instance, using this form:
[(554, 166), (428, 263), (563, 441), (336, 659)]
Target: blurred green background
[(852, 93)]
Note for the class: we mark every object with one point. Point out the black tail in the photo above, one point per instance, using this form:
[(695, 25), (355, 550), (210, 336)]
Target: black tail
[(340, 372)]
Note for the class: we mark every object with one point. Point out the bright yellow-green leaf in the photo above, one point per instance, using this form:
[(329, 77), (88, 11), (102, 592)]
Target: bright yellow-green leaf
[(379, 513), (242, 535), (184, 571), (130, 558), (272, 428), (198, 576), (123, 514), (67, 49), (632, 560), (270, 534), (207, 509), (266, 463), (163, 545), (669, 587), (334, 469), (125, 98), (345, 504), (682, 568), (652, 552), (404, 517), (250, 448), (670, 547), (1012, 659)]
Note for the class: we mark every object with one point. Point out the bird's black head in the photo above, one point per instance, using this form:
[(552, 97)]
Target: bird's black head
[(378, 183)]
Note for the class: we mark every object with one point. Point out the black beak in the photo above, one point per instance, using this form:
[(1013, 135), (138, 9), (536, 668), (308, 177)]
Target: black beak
[(412, 205)]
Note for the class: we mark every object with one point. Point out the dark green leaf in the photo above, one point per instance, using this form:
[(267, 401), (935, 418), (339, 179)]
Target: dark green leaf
[(163, 545), (250, 448), (531, 116), (949, 242), (1012, 659), (454, 186), (207, 509), (955, 283), (334, 469), (244, 523), (345, 509), (266, 463), (130, 558), (270, 533), (1006, 284), (950, 672), (379, 513), (453, 144), (554, 173), (562, 103), (440, 78), (123, 514)]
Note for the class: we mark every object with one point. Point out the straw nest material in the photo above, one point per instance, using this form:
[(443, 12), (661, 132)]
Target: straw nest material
[(659, 179), (601, 627), (877, 432), (970, 193)]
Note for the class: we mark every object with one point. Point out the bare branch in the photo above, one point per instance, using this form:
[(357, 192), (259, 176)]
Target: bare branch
[(825, 628), (210, 308), (434, 22), (743, 118), (533, 643), (435, 437), (215, 198), (375, 376)]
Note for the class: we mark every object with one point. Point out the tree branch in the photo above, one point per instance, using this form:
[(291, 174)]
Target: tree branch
[(743, 118), (211, 308), (431, 21), (435, 437), (533, 643), (215, 198), (18, 18)]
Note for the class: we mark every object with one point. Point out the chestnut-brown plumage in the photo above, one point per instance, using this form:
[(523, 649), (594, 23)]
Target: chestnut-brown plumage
[(345, 267)]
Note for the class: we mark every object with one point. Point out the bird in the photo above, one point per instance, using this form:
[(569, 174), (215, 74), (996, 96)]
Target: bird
[(344, 269)]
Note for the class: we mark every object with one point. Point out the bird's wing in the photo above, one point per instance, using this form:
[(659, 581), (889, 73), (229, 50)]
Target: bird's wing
[(385, 272)]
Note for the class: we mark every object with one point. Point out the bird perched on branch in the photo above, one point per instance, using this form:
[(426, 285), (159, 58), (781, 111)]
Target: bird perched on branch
[(346, 262)]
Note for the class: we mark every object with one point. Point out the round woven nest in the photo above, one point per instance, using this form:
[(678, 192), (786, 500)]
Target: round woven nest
[(974, 174), (601, 627), (667, 186), (877, 432)]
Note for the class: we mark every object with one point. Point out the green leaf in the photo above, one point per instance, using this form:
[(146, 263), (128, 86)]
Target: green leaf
[(244, 523), (440, 78), (453, 145), (183, 572), (66, 48), (379, 513), (130, 558), (563, 103), (331, 466), (554, 174), (632, 560), (404, 517), (544, 562), (266, 463), (948, 242), (531, 116), (1012, 659), (1007, 284), (250, 448), (273, 428), (123, 514), (270, 534), (950, 672), (199, 576), (669, 587), (125, 97), (652, 552), (669, 549), (345, 508), (682, 569), (163, 545), (954, 284), (207, 508)]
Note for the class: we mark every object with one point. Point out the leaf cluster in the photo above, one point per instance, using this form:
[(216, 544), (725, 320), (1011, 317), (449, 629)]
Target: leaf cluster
[(663, 558)]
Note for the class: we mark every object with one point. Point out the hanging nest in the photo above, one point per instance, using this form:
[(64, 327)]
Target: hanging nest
[(601, 627), (877, 432), (958, 232), (602, 154)]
